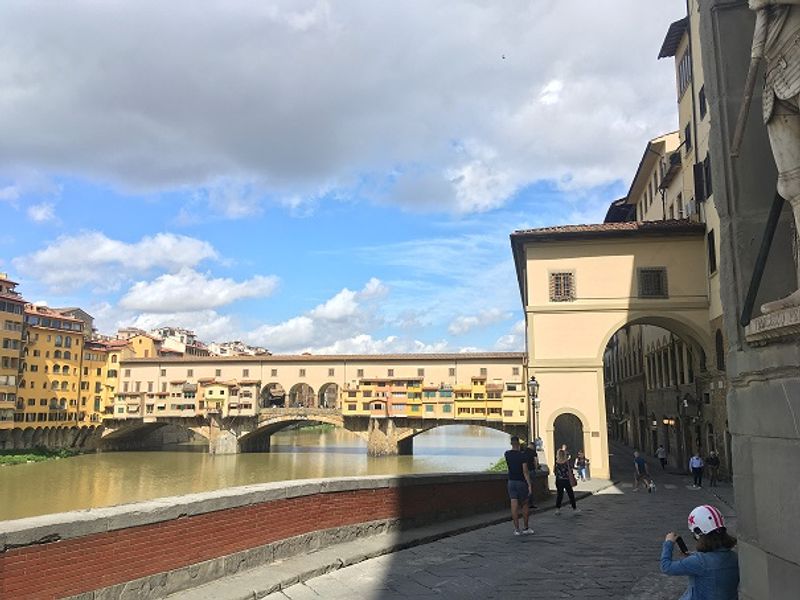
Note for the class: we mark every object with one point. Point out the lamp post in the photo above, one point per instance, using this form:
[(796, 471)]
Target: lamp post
[(533, 396)]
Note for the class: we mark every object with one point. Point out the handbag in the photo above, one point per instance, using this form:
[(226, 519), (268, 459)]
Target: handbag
[(572, 481)]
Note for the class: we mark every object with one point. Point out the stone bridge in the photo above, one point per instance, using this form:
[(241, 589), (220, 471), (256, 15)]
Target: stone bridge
[(233, 434)]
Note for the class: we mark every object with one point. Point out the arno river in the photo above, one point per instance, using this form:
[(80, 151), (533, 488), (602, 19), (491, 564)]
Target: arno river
[(111, 478)]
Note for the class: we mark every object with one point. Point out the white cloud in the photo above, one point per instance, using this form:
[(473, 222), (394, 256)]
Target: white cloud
[(348, 315), (514, 340), (41, 213), (207, 324), (9, 193), (466, 323), (187, 291), (93, 258), (366, 344), (297, 98)]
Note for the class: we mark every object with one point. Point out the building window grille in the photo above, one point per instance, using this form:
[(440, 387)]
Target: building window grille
[(302, 372), (684, 72), (360, 373), (562, 286), (390, 372), (701, 100), (687, 137), (245, 372), (273, 372), (653, 283), (420, 372), (330, 372)]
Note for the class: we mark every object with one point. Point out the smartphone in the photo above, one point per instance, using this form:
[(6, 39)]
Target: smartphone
[(682, 545)]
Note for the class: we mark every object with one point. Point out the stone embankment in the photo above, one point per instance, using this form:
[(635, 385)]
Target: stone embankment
[(155, 548)]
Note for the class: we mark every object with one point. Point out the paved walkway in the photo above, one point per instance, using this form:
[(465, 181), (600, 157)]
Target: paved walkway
[(609, 550)]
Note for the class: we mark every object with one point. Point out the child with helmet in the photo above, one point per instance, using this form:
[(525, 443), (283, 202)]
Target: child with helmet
[(713, 570)]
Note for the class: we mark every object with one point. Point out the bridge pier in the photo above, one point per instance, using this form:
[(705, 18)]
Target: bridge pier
[(223, 441), (384, 438)]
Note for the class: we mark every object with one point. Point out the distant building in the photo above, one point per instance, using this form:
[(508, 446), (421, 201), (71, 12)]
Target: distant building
[(177, 340), (236, 348), (12, 306)]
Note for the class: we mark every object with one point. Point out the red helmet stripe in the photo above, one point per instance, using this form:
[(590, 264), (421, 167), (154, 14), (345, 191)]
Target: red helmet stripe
[(716, 515)]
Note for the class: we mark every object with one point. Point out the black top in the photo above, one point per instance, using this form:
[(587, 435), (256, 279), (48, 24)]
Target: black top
[(515, 459), (530, 458), (561, 470)]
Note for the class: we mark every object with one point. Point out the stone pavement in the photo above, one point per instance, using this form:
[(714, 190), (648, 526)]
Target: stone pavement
[(609, 550)]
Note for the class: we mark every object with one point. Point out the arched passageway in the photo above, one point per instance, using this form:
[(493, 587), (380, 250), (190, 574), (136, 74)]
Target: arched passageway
[(568, 431), (329, 396), (272, 395), (301, 395)]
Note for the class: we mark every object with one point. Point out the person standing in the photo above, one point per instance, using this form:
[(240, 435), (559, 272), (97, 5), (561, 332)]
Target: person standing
[(696, 465), (564, 477), (713, 570), (581, 464), (661, 455), (712, 462), (641, 472), (519, 486), (532, 460)]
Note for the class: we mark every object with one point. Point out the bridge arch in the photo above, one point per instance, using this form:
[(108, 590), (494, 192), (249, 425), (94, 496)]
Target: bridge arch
[(272, 394), (328, 395), (301, 395), (258, 440)]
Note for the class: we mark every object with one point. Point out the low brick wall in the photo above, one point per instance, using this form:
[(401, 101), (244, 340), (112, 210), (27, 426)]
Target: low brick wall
[(150, 549)]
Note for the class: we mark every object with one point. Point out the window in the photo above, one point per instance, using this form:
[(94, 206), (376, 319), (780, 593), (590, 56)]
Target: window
[(687, 138), (330, 372), (420, 372), (679, 205), (59, 341), (562, 286), (163, 372), (712, 253), (390, 372), (218, 373), (484, 371), (515, 370), (429, 408), (274, 373), (245, 372), (719, 345), (684, 72), (653, 282), (190, 372), (360, 373), (701, 100), (127, 372), (302, 373), (707, 175)]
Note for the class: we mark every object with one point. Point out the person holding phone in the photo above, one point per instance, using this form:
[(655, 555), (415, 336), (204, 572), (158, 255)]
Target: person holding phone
[(564, 478), (713, 570)]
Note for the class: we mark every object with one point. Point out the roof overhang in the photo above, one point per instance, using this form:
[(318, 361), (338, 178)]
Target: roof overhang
[(673, 38)]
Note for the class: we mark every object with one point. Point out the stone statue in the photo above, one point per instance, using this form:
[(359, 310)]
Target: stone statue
[(781, 99)]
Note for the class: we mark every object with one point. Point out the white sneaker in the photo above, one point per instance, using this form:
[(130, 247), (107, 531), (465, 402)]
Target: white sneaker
[(577, 510), (527, 531), (558, 511), (517, 532)]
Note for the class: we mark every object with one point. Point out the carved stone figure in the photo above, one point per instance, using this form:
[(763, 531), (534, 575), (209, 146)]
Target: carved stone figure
[(782, 106)]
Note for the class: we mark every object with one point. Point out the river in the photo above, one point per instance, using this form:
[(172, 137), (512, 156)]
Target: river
[(107, 479)]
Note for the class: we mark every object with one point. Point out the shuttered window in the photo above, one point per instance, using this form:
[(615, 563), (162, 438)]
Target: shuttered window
[(562, 286), (653, 282)]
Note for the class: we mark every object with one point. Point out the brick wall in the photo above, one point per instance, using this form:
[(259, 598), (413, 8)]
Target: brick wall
[(90, 555)]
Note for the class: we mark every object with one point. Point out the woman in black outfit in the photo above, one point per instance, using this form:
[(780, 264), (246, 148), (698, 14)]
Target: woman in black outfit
[(563, 482)]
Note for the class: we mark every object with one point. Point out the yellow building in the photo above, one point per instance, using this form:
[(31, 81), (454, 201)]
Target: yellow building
[(144, 345), (49, 389), (11, 314)]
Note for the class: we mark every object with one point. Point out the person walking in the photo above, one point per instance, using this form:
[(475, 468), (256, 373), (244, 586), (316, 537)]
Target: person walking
[(696, 465), (581, 464), (519, 486), (641, 473), (712, 462), (661, 455), (713, 570), (564, 481)]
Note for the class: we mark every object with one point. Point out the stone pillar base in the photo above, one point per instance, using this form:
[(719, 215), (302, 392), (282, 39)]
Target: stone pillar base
[(384, 438)]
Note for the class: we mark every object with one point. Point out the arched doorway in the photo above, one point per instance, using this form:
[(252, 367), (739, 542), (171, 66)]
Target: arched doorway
[(272, 395), (301, 395), (568, 430), (329, 396)]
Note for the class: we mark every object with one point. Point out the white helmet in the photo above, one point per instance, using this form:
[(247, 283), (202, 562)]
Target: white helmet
[(705, 519)]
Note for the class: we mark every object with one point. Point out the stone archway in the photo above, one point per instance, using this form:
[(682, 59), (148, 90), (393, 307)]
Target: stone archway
[(272, 395), (328, 396), (568, 429), (301, 395)]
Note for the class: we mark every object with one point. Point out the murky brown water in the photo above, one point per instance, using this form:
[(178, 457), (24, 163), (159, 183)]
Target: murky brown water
[(113, 478)]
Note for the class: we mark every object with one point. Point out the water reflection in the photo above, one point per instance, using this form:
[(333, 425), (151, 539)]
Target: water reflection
[(118, 477)]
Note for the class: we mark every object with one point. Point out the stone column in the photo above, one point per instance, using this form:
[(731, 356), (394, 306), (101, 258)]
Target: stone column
[(384, 438), (764, 394)]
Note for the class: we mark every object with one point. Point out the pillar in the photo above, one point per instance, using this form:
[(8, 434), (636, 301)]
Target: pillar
[(384, 438)]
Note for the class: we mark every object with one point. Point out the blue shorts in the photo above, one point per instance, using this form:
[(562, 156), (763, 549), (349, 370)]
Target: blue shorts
[(518, 490)]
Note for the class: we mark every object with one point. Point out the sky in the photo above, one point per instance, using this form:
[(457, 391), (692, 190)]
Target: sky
[(311, 175)]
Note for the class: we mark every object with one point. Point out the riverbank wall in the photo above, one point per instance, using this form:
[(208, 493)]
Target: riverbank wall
[(151, 549)]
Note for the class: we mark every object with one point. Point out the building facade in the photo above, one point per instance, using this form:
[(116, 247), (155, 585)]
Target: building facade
[(12, 308)]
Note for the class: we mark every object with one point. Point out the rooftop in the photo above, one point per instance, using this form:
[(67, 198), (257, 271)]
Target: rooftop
[(673, 38), (610, 230), (311, 358)]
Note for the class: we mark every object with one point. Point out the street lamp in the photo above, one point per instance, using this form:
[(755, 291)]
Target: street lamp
[(533, 395)]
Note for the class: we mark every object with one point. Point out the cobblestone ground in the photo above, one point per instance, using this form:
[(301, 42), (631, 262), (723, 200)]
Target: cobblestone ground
[(609, 550)]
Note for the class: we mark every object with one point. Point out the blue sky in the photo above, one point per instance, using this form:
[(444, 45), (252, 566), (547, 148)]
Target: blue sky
[(312, 175)]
